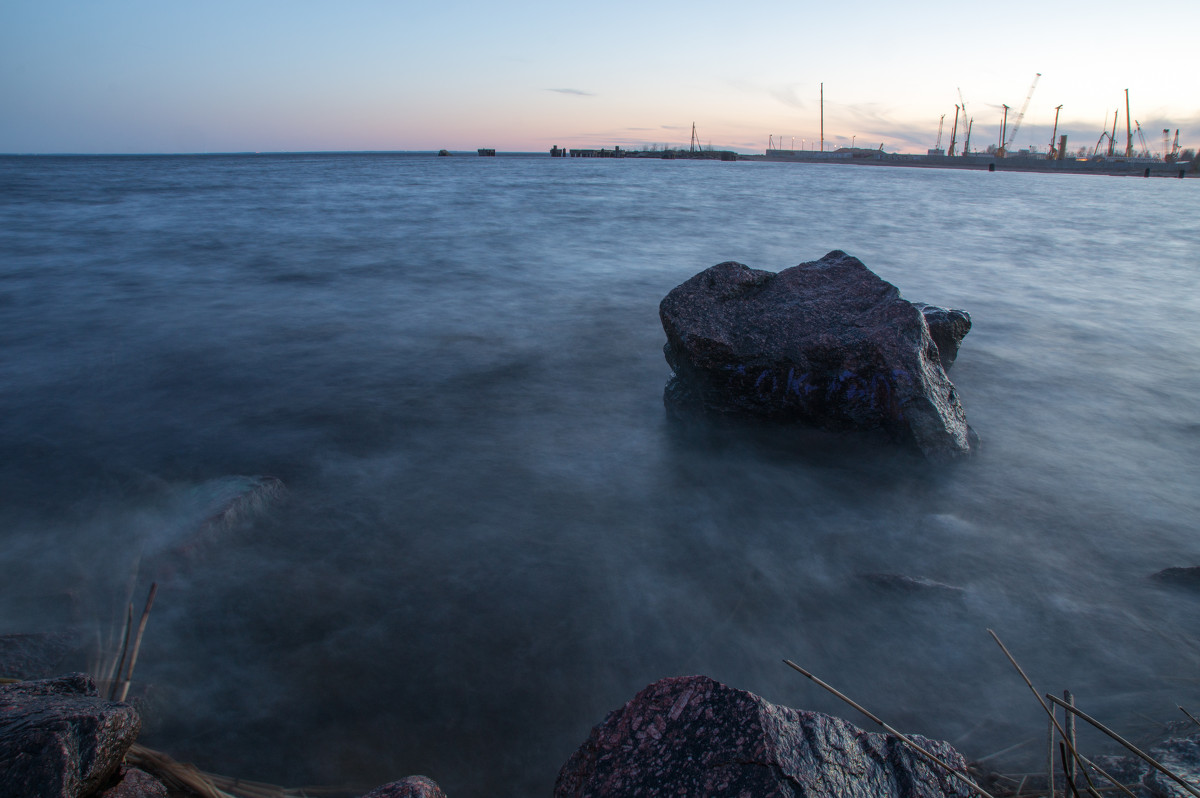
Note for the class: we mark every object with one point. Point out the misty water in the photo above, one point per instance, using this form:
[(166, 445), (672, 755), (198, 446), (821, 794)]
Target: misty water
[(492, 534)]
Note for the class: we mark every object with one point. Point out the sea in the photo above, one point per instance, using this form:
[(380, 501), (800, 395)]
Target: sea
[(482, 531)]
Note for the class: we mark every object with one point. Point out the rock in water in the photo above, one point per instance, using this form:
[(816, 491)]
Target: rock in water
[(59, 739), (694, 736), (827, 343)]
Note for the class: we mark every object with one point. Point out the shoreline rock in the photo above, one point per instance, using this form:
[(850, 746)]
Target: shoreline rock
[(827, 343), (692, 735)]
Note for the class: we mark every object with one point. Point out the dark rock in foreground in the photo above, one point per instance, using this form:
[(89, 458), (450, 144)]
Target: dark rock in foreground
[(136, 783), (826, 343), (59, 739), (694, 736), (411, 787)]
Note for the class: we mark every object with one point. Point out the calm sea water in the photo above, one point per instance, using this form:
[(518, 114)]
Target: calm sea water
[(492, 534)]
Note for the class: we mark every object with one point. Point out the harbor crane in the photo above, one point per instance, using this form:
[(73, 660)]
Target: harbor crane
[(1141, 138), (954, 132), (1054, 153), (938, 146), (1021, 115)]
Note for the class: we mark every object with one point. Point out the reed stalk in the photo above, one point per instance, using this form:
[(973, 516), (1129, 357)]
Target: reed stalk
[(1133, 748)]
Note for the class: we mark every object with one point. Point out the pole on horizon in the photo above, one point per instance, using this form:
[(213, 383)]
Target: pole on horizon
[(1128, 129), (822, 117)]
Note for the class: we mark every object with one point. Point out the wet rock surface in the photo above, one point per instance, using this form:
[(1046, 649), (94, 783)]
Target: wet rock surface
[(827, 343), (694, 736), (947, 327), (59, 739)]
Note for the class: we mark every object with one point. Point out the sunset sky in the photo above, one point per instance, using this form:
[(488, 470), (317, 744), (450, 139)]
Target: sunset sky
[(127, 76)]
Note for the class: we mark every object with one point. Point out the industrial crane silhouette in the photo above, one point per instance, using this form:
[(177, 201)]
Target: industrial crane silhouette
[(1017, 124)]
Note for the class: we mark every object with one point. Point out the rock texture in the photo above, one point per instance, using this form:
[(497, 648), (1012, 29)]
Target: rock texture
[(58, 739), (827, 343), (947, 327), (411, 787), (694, 736), (136, 783)]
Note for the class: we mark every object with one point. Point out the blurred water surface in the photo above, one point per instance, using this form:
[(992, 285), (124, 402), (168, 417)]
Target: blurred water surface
[(492, 534)]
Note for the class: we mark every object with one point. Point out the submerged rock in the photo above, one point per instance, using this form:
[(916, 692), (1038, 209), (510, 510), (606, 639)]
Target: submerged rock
[(1179, 577), (1179, 754), (694, 736), (826, 343), (916, 585), (59, 739)]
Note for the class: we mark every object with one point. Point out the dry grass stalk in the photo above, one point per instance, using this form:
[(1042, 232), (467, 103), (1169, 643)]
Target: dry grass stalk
[(1133, 748), (900, 736), (188, 778), (114, 669), (1071, 748), (137, 641)]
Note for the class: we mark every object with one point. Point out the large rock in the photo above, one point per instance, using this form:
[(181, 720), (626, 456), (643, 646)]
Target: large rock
[(827, 343), (59, 739), (694, 736)]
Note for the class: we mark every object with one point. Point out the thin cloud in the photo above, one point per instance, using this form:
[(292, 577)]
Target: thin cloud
[(789, 95), (574, 92)]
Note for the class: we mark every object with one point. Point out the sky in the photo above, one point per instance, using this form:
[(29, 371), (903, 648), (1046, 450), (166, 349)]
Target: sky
[(142, 76)]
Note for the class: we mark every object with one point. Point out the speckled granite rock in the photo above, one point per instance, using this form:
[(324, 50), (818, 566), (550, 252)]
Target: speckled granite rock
[(828, 343), (136, 783), (411, 787), (694, 736), (59, 739)]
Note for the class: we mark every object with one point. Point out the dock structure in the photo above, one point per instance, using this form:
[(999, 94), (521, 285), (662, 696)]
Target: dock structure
[(486, 152), (1022, 161), (615, 152)]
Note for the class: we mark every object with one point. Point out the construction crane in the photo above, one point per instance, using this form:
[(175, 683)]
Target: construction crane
[(1112, 137), (1174, 149), (1003, 128), (967, 140), (938, 146), (1054, 136), (1166, 144), (954, 132), (1142, 139), (1020, 116)]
